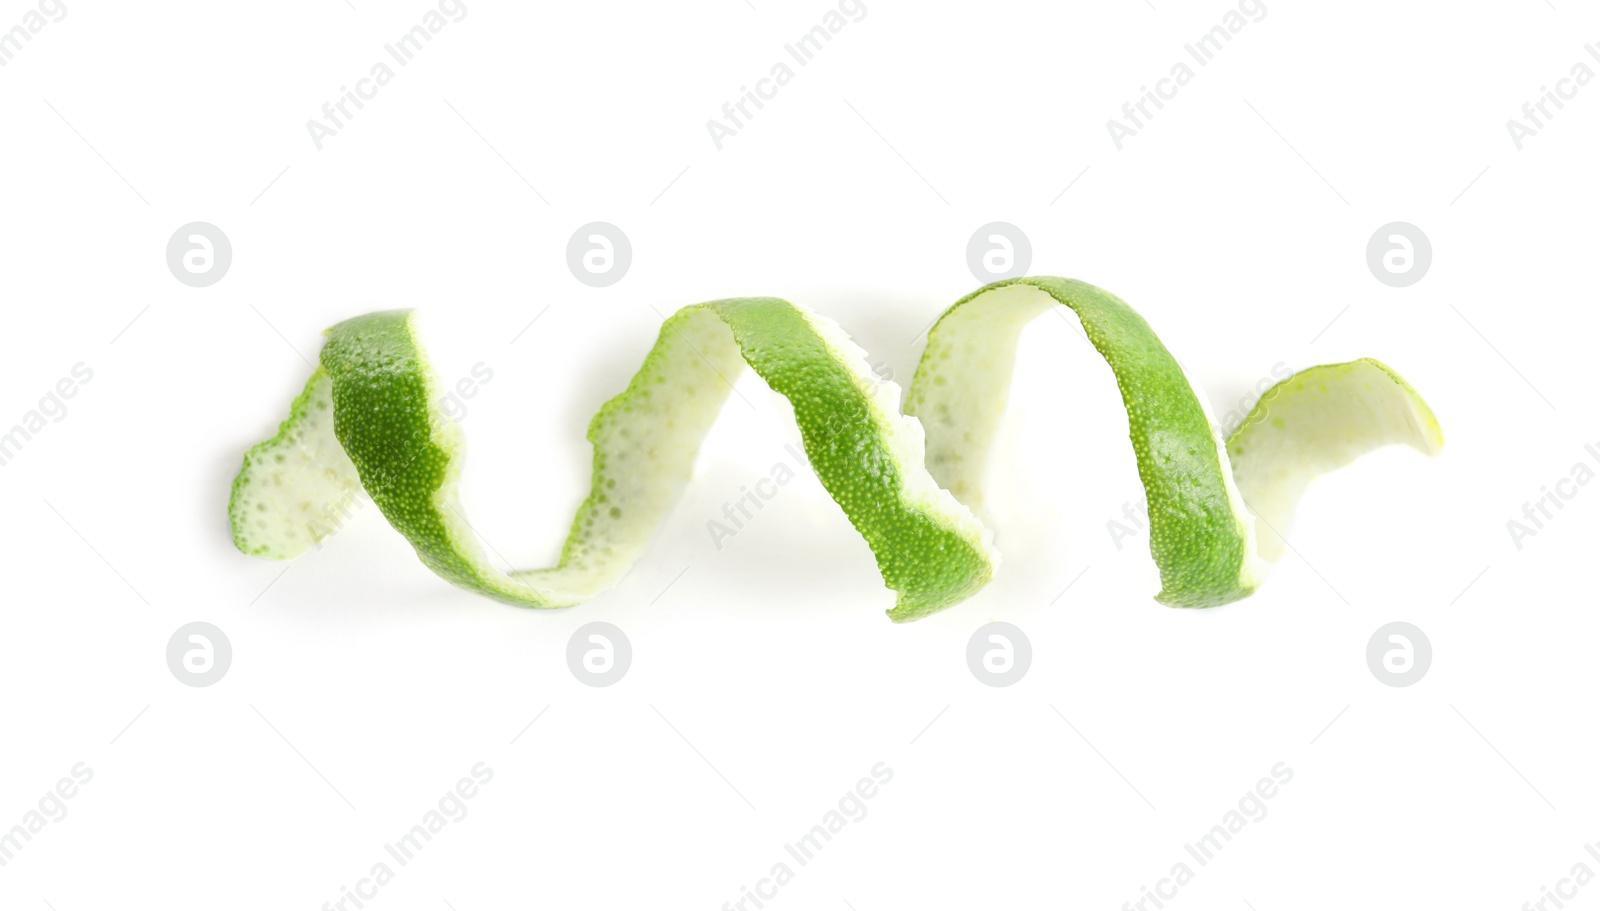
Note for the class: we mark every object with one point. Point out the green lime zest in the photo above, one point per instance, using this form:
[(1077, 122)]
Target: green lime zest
[(911, 484)]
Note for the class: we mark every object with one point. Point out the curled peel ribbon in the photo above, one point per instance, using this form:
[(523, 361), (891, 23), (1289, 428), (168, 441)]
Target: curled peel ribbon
[(910, 483)]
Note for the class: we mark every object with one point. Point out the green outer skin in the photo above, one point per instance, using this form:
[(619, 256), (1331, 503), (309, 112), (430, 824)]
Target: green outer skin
[(930, 565), (1200, 544), (408, 455), (384, 418)]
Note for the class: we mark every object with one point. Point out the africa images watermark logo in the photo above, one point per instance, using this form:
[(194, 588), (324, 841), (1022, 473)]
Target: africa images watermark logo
[(52, 807), (1137, 114), (736, 115), (1566, 888), (851, 808), (51, 409), (1252, 808), (1541, 511), (33, 22), (337, 114), (450, 808), (736, 513), (1536, 115)]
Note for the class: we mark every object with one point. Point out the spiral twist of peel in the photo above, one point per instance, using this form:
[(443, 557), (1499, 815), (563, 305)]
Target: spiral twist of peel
[(910, 483)]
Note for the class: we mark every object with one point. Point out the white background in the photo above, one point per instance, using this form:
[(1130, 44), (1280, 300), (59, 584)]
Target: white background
[(766, 679)]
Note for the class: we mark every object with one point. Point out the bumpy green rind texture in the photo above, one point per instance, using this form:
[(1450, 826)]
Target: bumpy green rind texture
[(1198, 536), (407, 456), (385, 419), (916, 513), (930, 564)]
